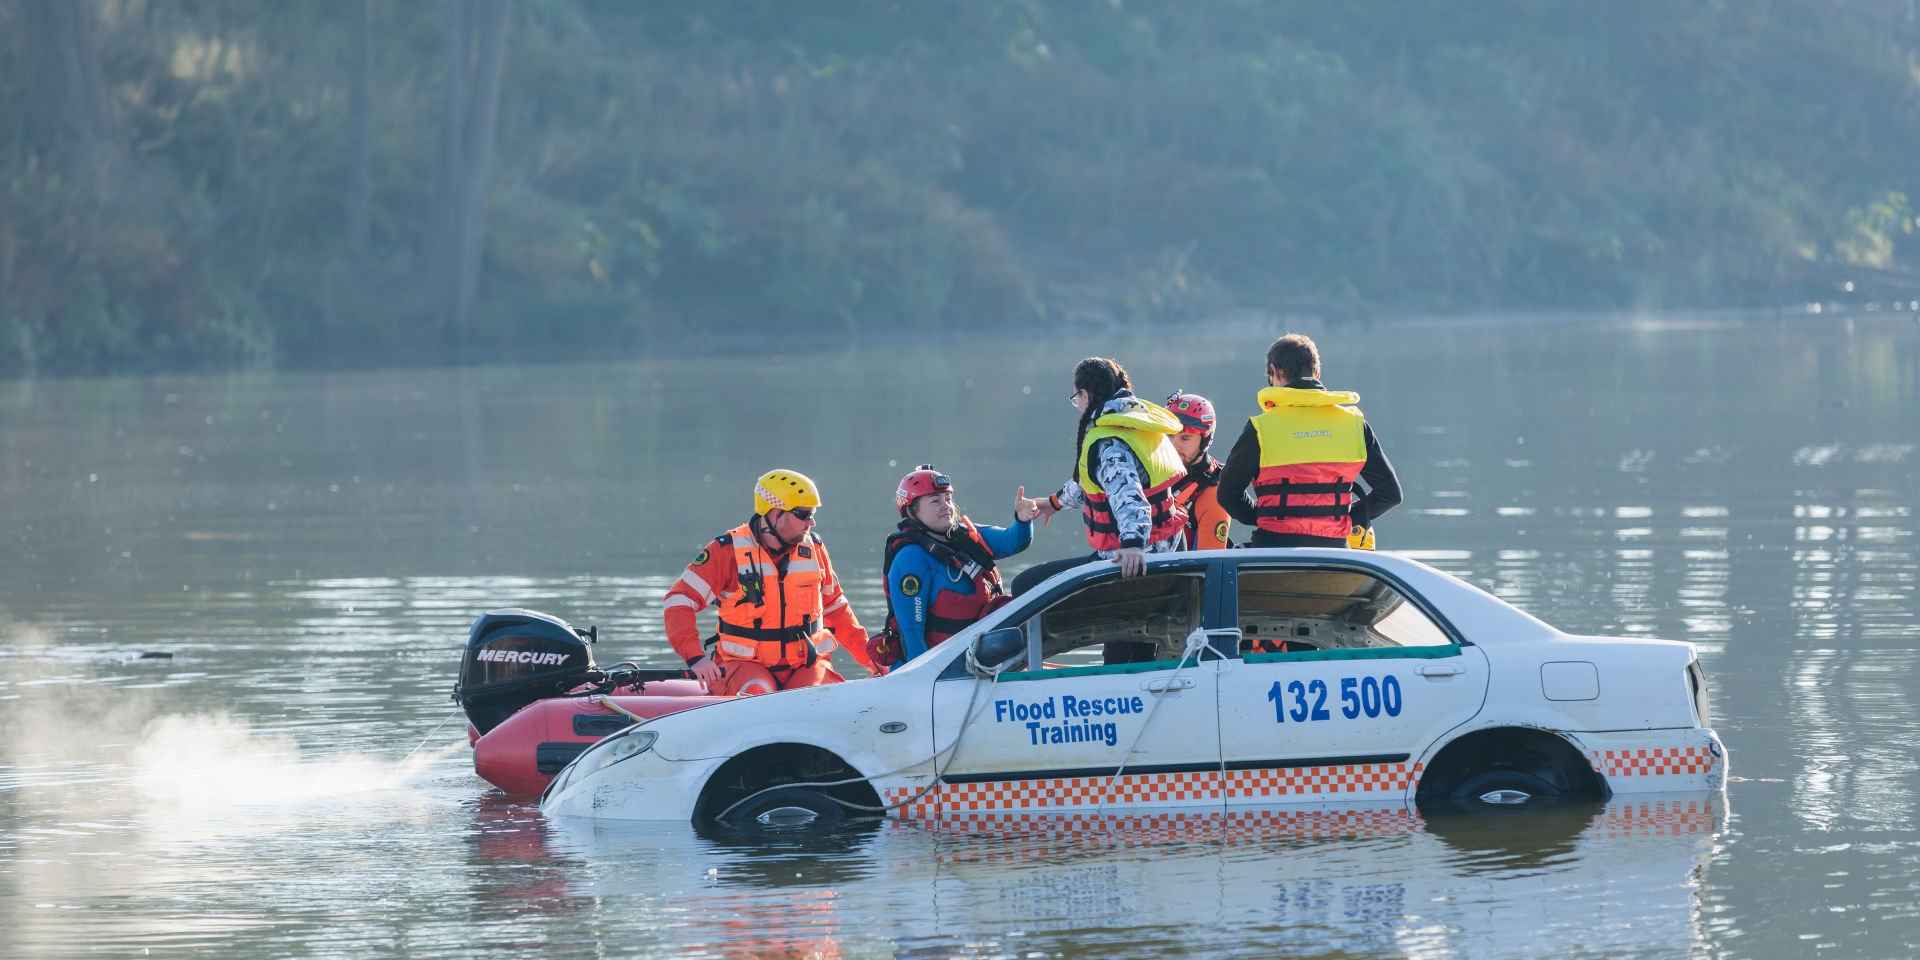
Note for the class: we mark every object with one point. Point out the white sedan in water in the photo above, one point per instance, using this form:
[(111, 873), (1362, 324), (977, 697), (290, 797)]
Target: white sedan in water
[(1218, 680)]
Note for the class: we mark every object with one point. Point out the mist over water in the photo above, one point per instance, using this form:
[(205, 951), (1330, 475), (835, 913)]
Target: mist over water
[(310, 550)]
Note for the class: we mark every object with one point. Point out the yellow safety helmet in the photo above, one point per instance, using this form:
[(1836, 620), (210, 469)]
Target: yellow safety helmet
[(786, 489)]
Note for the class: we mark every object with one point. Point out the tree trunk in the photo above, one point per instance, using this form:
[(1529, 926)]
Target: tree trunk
[(476, 52), (359, 124), (70, 96), (446, 208), (483, 118)]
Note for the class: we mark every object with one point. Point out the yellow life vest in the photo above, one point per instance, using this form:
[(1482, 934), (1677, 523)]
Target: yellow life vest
[(1144, 428), (1312, 446)]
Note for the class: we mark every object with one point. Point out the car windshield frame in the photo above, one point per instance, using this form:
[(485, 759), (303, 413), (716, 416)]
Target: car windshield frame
[(1230, 593), (1086, 575)]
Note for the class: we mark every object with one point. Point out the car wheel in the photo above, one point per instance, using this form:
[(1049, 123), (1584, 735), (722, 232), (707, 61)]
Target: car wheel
[(795, 808), (1492, 790)]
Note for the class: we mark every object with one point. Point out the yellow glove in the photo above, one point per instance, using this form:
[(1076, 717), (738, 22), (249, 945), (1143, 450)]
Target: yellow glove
[(1361, 538)]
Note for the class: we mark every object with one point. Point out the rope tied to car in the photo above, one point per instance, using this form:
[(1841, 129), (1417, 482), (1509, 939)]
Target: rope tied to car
[(939, 773), (1197, 647), (986, 671)]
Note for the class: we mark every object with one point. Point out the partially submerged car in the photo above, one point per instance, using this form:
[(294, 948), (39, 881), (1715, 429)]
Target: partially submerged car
[(1218, 680)]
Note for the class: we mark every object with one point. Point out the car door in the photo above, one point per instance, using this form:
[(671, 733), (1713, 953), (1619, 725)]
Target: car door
[(1112, 717), (1342, 679)]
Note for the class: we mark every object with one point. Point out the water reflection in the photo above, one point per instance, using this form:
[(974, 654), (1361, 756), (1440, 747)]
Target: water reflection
[(1865, 775), (1368, 882)]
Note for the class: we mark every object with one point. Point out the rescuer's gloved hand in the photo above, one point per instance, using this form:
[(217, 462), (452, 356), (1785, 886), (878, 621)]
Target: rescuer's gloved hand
[(1361, 538), (706, 671), (883, 650)]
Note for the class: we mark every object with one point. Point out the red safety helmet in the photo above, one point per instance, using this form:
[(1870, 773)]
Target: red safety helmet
[(924, 481), (1195, 412)]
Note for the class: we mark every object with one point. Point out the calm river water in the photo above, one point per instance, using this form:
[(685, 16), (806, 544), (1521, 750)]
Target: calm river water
[(311, 548)]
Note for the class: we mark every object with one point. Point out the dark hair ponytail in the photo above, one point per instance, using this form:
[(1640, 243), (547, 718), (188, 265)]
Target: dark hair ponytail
[(1101, 378)]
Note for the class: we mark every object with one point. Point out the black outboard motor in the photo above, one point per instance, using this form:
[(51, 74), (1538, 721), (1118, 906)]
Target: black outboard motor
[(515, 657)]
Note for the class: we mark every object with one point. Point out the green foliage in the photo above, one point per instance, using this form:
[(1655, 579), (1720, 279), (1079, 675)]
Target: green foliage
[(670, 173), (1168, 290)]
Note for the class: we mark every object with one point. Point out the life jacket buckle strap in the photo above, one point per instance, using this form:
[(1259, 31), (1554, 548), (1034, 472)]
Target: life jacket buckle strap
[(1287, 488), (781, 635)]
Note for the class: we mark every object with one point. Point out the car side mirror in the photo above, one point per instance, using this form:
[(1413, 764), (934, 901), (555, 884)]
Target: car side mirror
[(997, 651)]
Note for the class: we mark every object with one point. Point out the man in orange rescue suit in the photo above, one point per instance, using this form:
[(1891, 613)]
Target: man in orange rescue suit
[(1198, 491), (1316, 470), (781, 609)]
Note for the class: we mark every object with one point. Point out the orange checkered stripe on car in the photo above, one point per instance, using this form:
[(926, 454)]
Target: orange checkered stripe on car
[(1293, 782), (1653, 761), (1150, 830), (1066, 793)]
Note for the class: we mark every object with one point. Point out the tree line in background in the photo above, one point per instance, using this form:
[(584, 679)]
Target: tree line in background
[(195, 183)]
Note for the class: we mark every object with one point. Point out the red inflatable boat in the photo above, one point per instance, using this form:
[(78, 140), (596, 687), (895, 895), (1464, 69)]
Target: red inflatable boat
[(535, 699)]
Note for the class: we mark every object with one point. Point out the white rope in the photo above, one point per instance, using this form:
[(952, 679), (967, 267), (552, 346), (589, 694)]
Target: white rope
[(429, 736), (986, 672), (939, 771), (1196, 649), (1197, 646)]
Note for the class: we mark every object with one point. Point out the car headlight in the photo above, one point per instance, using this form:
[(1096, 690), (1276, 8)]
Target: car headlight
[(606, 753)]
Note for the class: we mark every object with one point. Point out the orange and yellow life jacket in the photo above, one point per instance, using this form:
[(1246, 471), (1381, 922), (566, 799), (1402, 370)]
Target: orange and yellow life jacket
[(775, 618), (1312, 446)]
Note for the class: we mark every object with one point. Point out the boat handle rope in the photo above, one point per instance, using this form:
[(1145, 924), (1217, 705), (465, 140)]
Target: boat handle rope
[(607, 701)]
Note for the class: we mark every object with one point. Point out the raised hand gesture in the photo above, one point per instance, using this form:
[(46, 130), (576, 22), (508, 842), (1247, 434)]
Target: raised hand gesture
[(1025, 509)]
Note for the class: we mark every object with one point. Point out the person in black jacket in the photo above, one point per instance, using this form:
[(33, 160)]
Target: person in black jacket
[(1312, 462)]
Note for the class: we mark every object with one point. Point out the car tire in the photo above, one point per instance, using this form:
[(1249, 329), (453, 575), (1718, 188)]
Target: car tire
[(796, 808), (1503, 790)]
